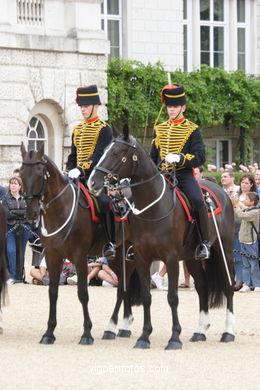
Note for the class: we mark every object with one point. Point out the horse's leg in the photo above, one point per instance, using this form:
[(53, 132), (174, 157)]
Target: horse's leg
[(54, 267), (229, 334), (173, 300), (110, 332), (125, 331), (143, 270), (82, 272), (198, 274)]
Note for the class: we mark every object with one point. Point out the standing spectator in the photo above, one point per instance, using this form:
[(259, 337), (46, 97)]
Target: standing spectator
[(15, 209), (246, 184), (16, 172), (248, 239), (229, 186), (199, 173), (257, 181), (228, 183)]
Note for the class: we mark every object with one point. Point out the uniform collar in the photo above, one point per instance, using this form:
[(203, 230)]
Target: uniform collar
[(92, 119), (176, 120)]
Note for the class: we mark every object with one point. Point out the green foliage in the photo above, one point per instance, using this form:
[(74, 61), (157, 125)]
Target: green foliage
[(214, 97)]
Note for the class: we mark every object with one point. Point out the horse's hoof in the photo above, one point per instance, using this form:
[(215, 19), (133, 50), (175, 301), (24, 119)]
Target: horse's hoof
[(173, 345), (47, 340), (141, 344), (227, 337), (108, 335), (198, 337), (124, 333), (86, 340)]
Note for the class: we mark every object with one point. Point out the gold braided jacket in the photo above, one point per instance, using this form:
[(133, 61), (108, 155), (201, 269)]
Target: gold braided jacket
[(85, 140), (172, 138)]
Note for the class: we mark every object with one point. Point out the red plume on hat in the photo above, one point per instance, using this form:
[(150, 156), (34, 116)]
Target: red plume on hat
[(173, 94)]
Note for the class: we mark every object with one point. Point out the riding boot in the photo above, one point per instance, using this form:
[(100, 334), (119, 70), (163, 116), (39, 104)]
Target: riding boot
[(203, 250), (108, 222)]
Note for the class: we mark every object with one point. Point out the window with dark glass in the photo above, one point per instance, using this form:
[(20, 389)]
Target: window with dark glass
[(241, 11), (205, 45), (35, 134), (219, 10), (204, 9), (241, 48), (218, 46), (111, 23)]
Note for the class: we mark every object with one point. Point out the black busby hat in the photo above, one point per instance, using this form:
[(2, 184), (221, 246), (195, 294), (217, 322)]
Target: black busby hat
[(173, 95), (87, 95)]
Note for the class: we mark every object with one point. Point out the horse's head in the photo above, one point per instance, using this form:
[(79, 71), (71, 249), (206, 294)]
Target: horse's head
[(118, 162), (33, 172)]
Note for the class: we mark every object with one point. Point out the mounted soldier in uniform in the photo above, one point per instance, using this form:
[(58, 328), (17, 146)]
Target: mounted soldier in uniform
[(89, 139), (178, 141)]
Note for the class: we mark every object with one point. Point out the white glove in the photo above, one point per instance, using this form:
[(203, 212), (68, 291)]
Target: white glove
[(172, 158), (74, 173)]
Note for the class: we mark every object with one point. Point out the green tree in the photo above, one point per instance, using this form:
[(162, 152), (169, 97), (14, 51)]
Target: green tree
[(214, 97)]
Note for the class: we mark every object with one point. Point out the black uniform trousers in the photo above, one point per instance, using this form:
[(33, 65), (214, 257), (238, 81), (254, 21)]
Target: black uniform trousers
[(190, 186)]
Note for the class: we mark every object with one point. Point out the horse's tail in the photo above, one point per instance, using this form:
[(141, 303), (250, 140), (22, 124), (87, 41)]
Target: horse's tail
[(135, 289), (216, 280)]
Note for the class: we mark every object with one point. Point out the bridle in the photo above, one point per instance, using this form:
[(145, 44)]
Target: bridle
[(45, 175), (40, 196), (111, 175)]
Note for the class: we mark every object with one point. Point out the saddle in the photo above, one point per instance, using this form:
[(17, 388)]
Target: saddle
[(96, 205), (207, 192)]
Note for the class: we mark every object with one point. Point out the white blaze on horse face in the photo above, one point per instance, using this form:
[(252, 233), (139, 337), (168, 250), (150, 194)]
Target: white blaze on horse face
[(90, 179), (204, 323)]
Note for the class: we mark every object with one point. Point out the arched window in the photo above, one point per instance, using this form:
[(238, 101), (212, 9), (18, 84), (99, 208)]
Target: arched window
[(36, 133)]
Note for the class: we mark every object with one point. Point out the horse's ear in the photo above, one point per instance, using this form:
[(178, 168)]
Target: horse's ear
[(23, 150), (114, 131), (126, 132)]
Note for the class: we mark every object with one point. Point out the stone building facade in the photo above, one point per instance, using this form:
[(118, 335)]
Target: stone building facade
[(46, 52), (50, 47)]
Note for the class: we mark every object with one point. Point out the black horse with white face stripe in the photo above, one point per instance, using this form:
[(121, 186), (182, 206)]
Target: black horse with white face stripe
[(159, 230)]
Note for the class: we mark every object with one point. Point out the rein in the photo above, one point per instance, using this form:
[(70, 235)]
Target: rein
[(43, 208), (44, 178)]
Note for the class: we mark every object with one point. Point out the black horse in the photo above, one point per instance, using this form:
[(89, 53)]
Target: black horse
[(68, 231), (3, 269), (159, 231)]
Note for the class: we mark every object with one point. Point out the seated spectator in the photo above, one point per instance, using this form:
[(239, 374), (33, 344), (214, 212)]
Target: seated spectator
[(40, 274), (99, 273), (15, 209)]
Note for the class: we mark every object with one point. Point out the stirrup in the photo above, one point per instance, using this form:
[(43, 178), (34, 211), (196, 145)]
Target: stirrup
[(109, 251), (202, 251), (37, 246), (130, 254)]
